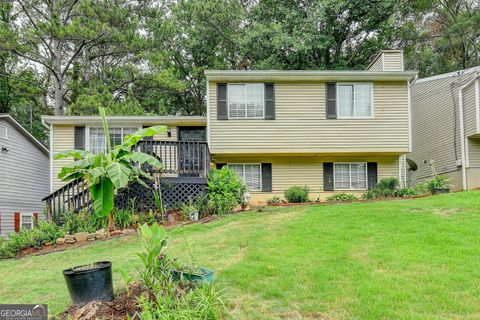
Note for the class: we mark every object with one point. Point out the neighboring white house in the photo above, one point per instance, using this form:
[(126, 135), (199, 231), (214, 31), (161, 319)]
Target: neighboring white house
[(24, 176)]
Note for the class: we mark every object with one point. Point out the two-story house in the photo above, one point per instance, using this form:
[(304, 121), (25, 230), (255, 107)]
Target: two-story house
[(329, 130), (446, 128)]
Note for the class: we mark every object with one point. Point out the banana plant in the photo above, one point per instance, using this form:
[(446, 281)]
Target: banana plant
[(106, 172)]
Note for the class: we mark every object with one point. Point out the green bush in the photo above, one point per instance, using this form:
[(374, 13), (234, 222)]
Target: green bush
[(391, 184), (439, 182), (405, 192), (342, 197), (43, 233), (297, 194), (73, 223), (225, 190), (274, 199), (389, 187)]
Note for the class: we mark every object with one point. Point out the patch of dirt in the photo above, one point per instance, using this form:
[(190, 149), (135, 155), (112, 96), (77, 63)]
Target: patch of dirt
[(418, 210), (448, 212), (124, 305), (294, 315)]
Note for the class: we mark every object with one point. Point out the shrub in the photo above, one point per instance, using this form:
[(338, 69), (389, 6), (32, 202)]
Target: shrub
[(43, 233), (342, 197), (73, 223), (274, 199), (204, 205), (225, 190), (297, 194), (405, 192), (391, 184), (439, 182)]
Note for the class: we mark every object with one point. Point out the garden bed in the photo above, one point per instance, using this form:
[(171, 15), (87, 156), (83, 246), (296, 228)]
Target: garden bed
[(290, 204)]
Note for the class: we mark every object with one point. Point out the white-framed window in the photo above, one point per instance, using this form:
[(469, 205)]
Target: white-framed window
[(250, 173), (98, 143), (350, 175), (246, 100), (3, 132), (355, 100), (26, 221)]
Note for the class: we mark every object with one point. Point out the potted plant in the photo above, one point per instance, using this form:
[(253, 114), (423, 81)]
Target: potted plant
[(189, 210), (194, 274), (438, 185), (90, 282)]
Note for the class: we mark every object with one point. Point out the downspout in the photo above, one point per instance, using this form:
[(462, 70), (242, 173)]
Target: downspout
[(462, 134), (50, 148)]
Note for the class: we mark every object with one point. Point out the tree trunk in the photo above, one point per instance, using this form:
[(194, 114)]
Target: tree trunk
[(111, 222), (57, 67)]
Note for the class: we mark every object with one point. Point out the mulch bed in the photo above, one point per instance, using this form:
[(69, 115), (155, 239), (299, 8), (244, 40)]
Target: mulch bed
[(289, 204)]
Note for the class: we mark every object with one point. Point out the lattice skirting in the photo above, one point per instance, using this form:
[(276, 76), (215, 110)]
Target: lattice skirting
[(174, 191), (179, 190)]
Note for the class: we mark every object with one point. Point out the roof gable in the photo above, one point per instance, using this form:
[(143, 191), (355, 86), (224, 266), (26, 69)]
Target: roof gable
[(25, 133)]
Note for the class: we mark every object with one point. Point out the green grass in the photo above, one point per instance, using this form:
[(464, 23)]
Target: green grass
[(409, 259)]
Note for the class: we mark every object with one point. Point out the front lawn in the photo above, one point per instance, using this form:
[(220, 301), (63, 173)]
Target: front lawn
[(406, 259)]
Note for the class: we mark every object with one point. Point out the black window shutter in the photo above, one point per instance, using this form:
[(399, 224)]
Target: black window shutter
[(222, 110), (266, 177), (372, 174), (79, 138), (269, 101), (328, 176), (331, 96), (220, 165)]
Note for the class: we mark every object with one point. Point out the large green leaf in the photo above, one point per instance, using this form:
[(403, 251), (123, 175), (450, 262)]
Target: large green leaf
[(134, 138), (77, 154), (119, 174), (102, 195), (142, 158), (95, 174)]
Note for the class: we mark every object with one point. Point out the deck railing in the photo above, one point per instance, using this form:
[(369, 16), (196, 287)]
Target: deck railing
[(73, 196), (183, 159)]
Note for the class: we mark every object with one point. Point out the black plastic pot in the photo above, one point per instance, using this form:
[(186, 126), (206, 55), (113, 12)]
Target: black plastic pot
[(440, 190), (89, 284)]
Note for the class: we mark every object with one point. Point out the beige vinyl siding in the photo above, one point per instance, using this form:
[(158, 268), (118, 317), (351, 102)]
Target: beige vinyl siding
[(164, 136), (300, 171), (393, 61), (377, 65), (300, 124), (63, 139), (469, 110), (436, 126), (474, 152), (435, 129)]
